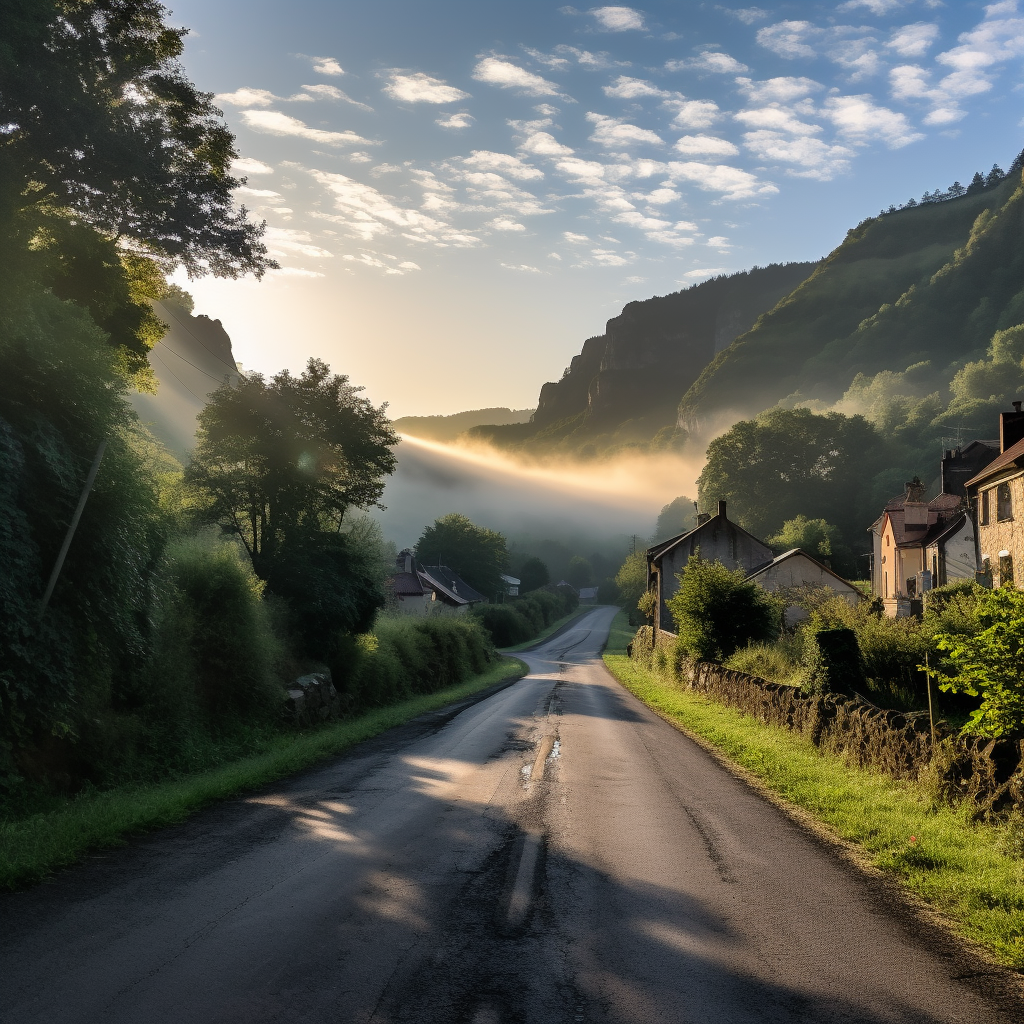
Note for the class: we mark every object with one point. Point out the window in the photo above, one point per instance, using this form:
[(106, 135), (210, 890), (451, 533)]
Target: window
[(983, 507), (1005, 569), (1004, 503)]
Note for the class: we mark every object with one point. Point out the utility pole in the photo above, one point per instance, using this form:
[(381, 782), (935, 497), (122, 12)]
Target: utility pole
[(931, 716), (59, 564)]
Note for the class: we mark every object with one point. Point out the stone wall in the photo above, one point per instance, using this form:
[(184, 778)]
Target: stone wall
[(312, 699)]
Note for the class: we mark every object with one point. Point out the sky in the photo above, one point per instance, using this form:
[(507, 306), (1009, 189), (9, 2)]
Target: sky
[(461, 192)]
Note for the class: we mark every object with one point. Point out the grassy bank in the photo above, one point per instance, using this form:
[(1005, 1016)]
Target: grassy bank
[(971, 874), (33, 847)]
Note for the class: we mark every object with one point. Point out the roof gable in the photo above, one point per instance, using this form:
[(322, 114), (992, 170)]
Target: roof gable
[(658, 551), (794, 552), (1008, 458)]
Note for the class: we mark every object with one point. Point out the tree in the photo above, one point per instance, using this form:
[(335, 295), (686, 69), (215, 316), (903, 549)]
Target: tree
[(276, 462), (717, 611), (678, 516), (819, 539), (631, 580), (580, 572), (533, 574), (994, 176), (977, 183), (790, 462), (990, 664), (101, 121), (477, 554)]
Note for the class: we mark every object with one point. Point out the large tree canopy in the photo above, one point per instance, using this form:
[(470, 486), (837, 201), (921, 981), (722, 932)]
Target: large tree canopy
[(477, 554), (97, 119), (790, 462), (279, 459)]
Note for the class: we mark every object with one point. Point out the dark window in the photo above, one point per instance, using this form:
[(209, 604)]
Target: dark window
[(1004, 503), (983, 507), (1005, 569)]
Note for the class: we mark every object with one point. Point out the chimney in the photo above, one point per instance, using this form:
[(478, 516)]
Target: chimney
[(703, 517), (1011, 427), (721, 510)]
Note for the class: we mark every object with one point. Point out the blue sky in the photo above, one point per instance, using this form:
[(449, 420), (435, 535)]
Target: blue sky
[(460, 193)]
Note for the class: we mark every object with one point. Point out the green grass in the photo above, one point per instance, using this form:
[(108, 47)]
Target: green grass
[(972, 874), (545, 633), (33, 847), (621, 634)]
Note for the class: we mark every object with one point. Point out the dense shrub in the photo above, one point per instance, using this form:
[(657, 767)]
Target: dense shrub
[(716, 611), (404, 656), (834, 663), (521, 619)]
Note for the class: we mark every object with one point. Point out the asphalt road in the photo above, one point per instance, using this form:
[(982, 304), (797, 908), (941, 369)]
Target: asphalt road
[(554, 853)]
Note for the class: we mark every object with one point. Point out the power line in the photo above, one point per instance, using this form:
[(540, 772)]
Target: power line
[(178, 379), (219, 380), (186, 327)]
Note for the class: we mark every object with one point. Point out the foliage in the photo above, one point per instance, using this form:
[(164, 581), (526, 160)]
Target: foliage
[(532, 575), (580, 572), (404, 656), (834, 663), (991, 663), (517, 621), (477, 554), (716, 611), (820, 539), (792, 462), (774, 662), (678, 516), (631, 579), (101, 121), (281, 460)]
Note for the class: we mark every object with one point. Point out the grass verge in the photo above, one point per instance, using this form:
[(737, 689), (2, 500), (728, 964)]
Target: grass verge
[(546, 632), (33, 847), (971, 874)]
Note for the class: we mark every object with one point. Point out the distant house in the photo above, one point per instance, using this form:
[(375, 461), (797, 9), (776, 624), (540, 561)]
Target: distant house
[(588, 595), (409, 595), (997, 496), (447, 587), (795, 569), (511, 585), (918, 544), (717, 538)]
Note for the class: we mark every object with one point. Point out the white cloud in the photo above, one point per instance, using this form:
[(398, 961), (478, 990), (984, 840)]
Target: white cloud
[(607, 258), (293, 272), (326, 66), (660, 197), (502, 163), (913, 40), (860, 119), (506, 224), (877, 7), (572, 236), (258, 193), (461, 120), (787, 39), (997, 39), (693, 113), (718, 242), (524, 267), (705, 145), (273, 122), (625, 88), (506, 75), (816, 159), (293, 241), (246, 97), (246, 165), (409, 265), (330, 92), (777, 119), (544, 144), (618, 19), (732, 182), (610, 132), (705, 272), (421, 88), (360, 158), (777, 90), (710, 60), (564, 56), (748, 15)]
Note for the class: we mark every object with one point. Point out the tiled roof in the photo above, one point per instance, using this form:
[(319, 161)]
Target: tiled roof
[(1010, 456), (799, 551), (450, 584), (407, 584)]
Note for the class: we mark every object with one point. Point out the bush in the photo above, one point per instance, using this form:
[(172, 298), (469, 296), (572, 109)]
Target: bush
[(774, 662), (505, 625), (834, 663), (404, 656), (716, 611)]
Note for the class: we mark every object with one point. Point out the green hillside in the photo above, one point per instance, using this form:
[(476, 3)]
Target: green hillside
[(930, 284), (447, 428)]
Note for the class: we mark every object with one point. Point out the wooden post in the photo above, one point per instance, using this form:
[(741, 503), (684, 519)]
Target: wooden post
[(59, 564), (931, 716)]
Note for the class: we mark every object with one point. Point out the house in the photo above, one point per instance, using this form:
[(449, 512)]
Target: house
[(997, 496), (795, 569), (448, 588), (408, 594), (717, 538), (588, 595), (511, 585)]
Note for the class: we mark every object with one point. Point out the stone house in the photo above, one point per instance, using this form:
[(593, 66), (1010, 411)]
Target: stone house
[(997, 496), (796, 569), (449, 589), (718, 539)]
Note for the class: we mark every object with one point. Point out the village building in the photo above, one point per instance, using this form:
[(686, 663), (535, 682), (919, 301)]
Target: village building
[(717, 538), (796, 570), (511, 585), (449, 589), (997, 496), (406, 591)]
